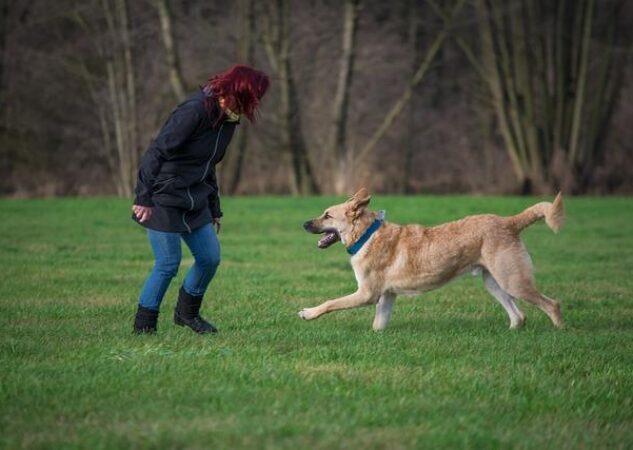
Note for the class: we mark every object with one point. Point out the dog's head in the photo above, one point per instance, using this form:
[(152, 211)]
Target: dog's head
[(340, 222)]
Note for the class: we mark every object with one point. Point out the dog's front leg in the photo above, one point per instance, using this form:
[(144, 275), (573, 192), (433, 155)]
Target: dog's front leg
[(383, 311), (358, 298)]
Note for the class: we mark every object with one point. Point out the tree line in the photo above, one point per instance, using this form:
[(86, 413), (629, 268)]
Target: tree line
[(493, 96)]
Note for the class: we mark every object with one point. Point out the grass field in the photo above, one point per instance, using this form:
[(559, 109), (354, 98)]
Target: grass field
[(447, 373)]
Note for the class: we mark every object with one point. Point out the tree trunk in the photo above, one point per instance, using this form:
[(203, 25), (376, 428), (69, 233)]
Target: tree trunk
[(246, 54), (173, 62), (277, 45), (4, 12), (408, 144), (129, 103), (304, 181), (122, 94), (341, 98), (582, 79)]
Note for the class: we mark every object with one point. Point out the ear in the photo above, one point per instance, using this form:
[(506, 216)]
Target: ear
[(359, 199)]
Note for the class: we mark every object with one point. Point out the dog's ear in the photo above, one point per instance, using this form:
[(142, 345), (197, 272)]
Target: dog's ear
[(359, 200)]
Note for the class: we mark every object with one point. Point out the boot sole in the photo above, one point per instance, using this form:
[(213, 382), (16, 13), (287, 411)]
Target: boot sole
[(178, 321)]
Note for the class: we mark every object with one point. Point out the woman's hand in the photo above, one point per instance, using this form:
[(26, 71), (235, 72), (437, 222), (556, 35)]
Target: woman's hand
[(217, 223), (142, 213)]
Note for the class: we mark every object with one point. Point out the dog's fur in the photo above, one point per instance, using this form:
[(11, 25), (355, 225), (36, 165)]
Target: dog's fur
[(413, 259)]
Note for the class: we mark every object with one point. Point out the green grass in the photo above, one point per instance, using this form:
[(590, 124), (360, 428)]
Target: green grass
[(447, 372)]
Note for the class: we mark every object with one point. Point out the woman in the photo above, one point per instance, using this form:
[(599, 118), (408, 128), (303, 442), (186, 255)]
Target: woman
[(177, 192)]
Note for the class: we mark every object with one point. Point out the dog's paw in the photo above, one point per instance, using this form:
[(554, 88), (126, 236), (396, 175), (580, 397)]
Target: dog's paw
[(306, 314)]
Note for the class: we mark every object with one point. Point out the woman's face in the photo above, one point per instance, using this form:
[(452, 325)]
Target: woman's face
[(228, 103)]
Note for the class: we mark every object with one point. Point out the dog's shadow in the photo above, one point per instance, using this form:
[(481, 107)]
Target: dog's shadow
[(443, 325), (534, 325)]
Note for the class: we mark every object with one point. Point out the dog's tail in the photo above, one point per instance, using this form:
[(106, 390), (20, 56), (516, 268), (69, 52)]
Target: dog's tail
[(554, 214)]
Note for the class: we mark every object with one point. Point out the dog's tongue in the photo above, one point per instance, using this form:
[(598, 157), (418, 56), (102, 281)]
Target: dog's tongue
[(327, 240)]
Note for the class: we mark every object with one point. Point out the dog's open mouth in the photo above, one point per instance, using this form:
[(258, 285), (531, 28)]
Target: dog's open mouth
[(330, 237)]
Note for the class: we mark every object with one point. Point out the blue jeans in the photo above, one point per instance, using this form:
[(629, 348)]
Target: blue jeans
[(205, 248)]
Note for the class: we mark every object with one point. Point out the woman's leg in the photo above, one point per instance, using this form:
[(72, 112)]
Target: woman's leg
[(167, 254), (205, 248)]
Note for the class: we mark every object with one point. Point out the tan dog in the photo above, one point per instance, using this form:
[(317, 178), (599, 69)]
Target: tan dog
[(394, 259)]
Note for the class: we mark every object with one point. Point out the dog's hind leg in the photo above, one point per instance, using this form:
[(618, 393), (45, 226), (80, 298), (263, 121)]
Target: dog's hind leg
[(383, 311), (512, 270), (548, 305), (517, 318), (361, 297)]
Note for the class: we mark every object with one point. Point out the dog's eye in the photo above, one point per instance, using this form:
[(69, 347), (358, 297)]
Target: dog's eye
[(327, 216)]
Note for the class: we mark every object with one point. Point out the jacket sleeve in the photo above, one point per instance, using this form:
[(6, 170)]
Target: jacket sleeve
[(214, 197), (181, 124)]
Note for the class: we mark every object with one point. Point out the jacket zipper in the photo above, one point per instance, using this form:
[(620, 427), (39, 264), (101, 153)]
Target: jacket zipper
[(206, 170), (215, 150)]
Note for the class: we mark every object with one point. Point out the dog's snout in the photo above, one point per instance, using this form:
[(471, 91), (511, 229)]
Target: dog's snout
[(309, 226)]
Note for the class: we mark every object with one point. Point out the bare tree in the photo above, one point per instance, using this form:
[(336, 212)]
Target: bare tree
[(413, 32), (546, 85), (113, 74), (173, 62), (277, 41), (418, 76), (246, 55), (341, 97), (122, 92), (550, 114), (5, 163), (4, 12)]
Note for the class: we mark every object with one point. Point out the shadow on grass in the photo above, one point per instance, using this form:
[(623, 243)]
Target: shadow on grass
[(575, 324)]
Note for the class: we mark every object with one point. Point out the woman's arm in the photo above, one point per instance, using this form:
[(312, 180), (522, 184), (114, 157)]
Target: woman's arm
[(178, 128)]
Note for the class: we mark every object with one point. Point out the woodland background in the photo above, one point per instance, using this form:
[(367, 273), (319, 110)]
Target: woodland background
[(426, 96)]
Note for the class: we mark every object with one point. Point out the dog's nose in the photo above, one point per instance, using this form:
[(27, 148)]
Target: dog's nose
[(308, 225)]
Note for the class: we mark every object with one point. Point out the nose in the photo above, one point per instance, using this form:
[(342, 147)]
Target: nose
[(308, 225)]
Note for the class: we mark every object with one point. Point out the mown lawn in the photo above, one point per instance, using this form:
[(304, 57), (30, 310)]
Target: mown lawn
[(447, 373)]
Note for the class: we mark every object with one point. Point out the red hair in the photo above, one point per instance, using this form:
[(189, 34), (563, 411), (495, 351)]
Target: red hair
[(242, 86)]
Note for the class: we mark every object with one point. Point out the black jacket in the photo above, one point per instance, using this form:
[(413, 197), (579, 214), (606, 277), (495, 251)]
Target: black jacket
[(177, 172)]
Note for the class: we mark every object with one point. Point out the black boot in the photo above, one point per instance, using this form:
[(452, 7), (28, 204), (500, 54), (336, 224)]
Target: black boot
[(187, 313), (145, 320)]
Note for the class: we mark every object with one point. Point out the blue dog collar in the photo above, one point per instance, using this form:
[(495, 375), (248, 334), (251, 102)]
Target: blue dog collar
[(355, 248)]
